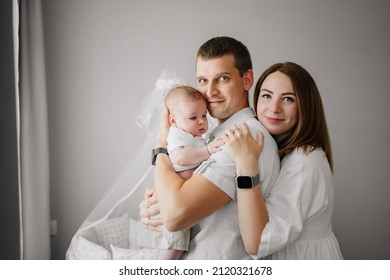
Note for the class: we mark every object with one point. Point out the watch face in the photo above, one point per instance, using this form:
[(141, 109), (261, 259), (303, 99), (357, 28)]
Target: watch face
[(244, 182)]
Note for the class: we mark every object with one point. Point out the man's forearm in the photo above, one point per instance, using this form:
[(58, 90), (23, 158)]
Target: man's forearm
[(168, 184)]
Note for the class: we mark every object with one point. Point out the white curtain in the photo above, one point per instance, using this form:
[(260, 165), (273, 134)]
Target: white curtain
[(34, 157)]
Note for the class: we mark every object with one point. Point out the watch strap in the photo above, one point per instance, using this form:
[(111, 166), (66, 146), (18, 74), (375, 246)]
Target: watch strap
[(157, 151)]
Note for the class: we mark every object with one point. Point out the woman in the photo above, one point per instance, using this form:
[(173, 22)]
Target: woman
[(295, 220)]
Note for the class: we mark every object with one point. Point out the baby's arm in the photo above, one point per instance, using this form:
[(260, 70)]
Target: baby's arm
[(190, 155)]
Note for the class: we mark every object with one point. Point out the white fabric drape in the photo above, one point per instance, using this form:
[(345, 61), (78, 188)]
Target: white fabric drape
[(34, 134)]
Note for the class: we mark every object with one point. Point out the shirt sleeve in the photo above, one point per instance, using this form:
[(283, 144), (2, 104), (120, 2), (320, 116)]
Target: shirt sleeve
[(220, 169), (178, 138)]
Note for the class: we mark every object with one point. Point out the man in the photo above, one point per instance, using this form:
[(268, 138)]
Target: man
[(207, 201)]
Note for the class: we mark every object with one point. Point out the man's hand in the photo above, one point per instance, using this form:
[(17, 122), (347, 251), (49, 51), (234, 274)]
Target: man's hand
[(148, 211), (164, 130)]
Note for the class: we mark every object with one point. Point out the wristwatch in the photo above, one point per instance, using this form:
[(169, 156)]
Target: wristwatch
[(247, 182), (156, 151)]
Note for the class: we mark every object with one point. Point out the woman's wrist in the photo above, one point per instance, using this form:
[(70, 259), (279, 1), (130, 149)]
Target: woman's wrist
[(247, 167)]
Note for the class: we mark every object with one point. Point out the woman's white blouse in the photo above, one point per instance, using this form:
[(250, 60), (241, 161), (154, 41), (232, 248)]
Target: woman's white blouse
[(300, 209)]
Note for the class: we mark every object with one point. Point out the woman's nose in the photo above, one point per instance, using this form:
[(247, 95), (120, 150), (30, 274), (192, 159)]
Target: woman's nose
[(275, 106)]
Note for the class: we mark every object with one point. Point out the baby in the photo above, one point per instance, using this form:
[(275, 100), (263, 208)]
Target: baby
[(187, 149)]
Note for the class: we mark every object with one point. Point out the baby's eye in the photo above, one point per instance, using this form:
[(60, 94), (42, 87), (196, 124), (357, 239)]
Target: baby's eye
[(192, 118)]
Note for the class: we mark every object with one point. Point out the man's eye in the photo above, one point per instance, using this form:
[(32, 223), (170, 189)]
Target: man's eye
[(223, 78)]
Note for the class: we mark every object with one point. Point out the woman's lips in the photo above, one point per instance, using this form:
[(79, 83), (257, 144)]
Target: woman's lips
[(273, 120)]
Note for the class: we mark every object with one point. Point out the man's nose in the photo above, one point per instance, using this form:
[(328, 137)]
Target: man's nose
[(211, 89)]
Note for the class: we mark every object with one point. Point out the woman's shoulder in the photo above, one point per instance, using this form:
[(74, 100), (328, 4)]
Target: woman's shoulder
[(311, 158), (311, 153), (309, 168)]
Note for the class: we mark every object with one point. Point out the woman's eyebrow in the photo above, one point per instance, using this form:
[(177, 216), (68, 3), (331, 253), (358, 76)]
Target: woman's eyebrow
[(267, 90), (283, 94), (288, 93)]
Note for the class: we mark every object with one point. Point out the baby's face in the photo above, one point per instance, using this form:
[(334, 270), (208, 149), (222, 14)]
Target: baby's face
[(191, 116)]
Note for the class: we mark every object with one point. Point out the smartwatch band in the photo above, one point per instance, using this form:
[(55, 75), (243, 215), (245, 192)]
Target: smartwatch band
[(157, 151)]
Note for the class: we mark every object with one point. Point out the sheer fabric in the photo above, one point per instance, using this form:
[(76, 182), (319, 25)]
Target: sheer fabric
[(112, 230)]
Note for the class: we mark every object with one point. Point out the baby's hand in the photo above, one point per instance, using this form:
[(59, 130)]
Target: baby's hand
[(215, 145)]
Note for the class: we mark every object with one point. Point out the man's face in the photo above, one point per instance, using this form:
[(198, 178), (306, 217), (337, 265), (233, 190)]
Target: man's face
[(222, 86)]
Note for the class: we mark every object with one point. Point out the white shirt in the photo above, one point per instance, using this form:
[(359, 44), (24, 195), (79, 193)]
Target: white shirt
[(179, 138), (300, 209), (218, 236)]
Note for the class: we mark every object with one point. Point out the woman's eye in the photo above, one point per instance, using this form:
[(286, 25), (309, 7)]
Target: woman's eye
[(288, 99), (266, 96)]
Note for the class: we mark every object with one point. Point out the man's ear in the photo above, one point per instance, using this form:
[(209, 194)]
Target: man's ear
[(172, 120), (248, 79)]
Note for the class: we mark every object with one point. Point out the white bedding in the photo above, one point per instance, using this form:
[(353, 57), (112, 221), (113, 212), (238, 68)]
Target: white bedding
[(119, 238)]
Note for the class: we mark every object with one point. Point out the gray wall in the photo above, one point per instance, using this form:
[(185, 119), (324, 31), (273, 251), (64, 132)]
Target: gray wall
[(102, 56)]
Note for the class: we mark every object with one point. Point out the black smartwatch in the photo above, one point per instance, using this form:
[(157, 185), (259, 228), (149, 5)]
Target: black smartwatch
[(156, 151), (247, 182)]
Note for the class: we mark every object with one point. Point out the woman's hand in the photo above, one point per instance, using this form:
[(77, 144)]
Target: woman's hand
[(164, 130), (148, 211), (243, 148)]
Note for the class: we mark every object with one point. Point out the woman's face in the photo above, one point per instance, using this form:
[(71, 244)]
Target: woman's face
[(277, 106)]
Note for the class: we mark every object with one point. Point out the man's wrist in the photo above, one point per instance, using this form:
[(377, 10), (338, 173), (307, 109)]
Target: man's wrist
[(156, 151), (161, 144)]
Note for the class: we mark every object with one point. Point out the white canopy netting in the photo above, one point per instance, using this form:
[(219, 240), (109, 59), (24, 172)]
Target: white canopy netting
[(112, 230)]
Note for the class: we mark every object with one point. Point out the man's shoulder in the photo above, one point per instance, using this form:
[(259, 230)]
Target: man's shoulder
[(253, 122), (254, 126)]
